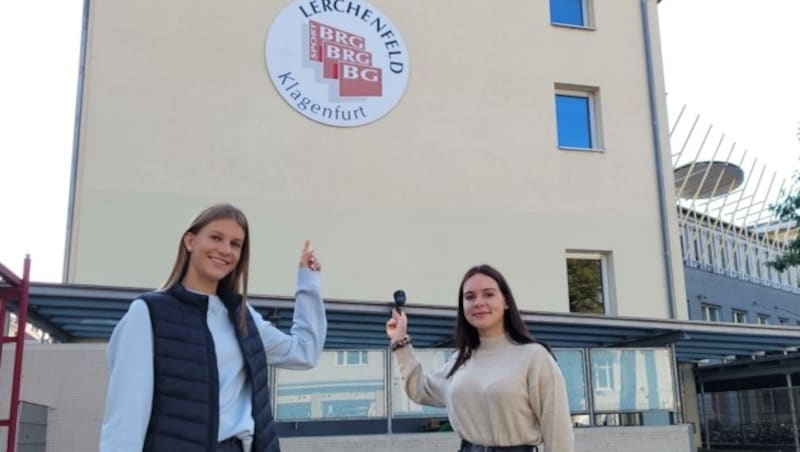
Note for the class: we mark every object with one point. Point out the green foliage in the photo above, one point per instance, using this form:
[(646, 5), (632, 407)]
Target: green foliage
[(788, 209)]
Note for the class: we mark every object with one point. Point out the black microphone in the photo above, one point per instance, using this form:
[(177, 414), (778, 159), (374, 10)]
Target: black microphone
[(399, 299)]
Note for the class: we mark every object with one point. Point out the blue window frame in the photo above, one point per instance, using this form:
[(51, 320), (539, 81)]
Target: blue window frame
[(568, 12), (574, 121)]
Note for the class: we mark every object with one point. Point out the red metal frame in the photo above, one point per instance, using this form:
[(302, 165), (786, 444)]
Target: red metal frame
[(16, 289)]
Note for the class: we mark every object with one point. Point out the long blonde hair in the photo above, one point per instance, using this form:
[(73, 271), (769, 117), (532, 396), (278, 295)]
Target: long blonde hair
[(237, 279)]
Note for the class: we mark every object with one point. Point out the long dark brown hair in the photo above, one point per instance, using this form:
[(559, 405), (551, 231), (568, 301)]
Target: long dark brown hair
[(467, 338), (237, 279)]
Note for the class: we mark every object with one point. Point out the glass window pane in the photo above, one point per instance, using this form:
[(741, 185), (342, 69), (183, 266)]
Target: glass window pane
[(431, 359), (571, 364), (632, 379), (585, 284), (332, 390), (573, 120), (739, 316), (566, 12)]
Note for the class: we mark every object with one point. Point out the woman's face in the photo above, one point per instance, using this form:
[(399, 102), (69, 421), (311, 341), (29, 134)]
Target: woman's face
[(484, 305), (214, 252)]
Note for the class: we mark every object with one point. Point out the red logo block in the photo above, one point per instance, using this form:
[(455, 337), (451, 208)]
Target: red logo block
[(319, 32), (334, 53), (344, 57), (359, 80)]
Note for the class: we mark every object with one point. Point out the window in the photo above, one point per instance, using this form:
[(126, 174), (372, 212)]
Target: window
[(568, 12), (587, 280), (603, 374), (710, 313), (783, 321), (763, 319), (351, 358), (576, 119), (334, 389), (739, 316)]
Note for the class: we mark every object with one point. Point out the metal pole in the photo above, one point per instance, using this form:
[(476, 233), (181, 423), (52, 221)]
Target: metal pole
[(677, 387), (663, 209), (3, 319), (677, 120), (741, 413), (387, 394), (22, 319), (705, 413), (794, 412), (587, 370)]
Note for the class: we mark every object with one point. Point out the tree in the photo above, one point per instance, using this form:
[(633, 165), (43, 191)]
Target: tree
[(788, 209)]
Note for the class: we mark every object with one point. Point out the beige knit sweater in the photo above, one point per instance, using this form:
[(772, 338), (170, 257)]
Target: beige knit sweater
[(505, 395)]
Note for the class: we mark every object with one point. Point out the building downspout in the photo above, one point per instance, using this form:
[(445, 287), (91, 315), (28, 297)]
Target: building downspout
[(73, 183), (651, 88)]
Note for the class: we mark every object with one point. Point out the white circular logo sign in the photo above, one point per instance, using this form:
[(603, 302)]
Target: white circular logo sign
[(338, 62)]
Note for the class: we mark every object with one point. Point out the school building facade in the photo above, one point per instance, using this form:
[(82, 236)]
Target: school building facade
[(409, 141)]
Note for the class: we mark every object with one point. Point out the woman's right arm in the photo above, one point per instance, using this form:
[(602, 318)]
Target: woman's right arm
[(130, 382), (423, 388)]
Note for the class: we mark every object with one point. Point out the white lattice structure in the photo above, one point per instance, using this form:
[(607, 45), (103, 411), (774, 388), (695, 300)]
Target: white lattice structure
[(733, 251), (726, 225)]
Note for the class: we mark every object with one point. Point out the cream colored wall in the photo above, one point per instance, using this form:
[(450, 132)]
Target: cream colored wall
[(179, 112)]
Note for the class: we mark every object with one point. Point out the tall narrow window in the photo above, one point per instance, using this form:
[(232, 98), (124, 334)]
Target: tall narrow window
[(588, 283), (574, 118), (568, 12), (762, 319)]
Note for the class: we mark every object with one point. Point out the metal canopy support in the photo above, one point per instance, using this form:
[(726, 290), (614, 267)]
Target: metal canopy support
[(677, 386), (705, 414), (16, 290), (793, 407)]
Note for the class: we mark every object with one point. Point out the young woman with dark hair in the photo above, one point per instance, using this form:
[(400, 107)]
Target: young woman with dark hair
[(188, 363), (502, 388)]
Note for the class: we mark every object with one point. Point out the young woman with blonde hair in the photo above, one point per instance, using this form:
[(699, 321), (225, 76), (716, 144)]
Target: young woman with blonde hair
[(188, 363)]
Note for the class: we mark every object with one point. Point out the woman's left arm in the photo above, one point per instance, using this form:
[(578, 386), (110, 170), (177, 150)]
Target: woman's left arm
[(301, 348), (548, 395)]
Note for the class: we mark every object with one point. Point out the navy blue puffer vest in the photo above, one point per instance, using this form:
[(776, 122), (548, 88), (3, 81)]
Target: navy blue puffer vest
[(185, 413)]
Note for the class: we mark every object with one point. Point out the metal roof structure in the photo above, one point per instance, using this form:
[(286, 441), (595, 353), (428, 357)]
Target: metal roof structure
[(74, 313)]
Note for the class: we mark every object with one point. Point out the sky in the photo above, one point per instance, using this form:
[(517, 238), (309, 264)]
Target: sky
[(733, 62)]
